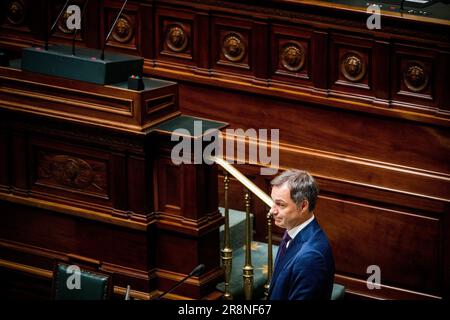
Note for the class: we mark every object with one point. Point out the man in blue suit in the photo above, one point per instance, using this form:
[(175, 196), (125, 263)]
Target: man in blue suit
[(304, 266)]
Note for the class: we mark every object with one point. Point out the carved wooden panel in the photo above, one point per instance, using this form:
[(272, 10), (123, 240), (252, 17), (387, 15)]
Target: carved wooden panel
[(169, 194), (351, 64), (414, 75), (61, 29), (16, 15), (291, 54), (232, 45), (70, 171), (175, 34), (125, 34)]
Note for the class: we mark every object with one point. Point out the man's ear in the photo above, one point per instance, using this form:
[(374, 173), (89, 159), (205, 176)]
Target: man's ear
[(304, 206)]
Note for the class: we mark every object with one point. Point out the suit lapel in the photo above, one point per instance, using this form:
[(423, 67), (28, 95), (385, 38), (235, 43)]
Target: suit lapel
[(294, 247)]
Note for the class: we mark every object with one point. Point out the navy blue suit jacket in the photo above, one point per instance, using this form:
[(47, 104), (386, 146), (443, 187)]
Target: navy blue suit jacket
[(307, 269)]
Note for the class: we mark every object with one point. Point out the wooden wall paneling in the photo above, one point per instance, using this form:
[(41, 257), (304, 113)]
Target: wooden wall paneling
[(16, 286), (118, 175), (39, 19), (63, 234), (5, 152), (443, 78), (381, 73), (260, 210), (446, 252), (139, 188), (202, 45), (414, 75), (292, 57), (320, 59), (71, 174), (175, 36), (344, 133), (405, 245), (351, 64), (19, 162), (187, 197), (20, 23), (236, 199), (232, 45), (126, 252), (126, 34), (64, 35), (178, 255), (93, 13), (169, 178), (261, 54), (148, 35)]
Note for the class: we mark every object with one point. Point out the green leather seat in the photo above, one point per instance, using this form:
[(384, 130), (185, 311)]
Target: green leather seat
[(92, 285), (338, 292)]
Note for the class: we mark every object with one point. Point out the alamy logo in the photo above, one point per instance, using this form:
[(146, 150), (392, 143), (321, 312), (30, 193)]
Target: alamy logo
[(259, 145), (374, 20), (374, 280), (74, 280), (74, 17)]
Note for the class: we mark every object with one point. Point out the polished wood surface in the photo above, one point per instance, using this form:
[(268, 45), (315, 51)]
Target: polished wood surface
[(101, 187), (366, 111)]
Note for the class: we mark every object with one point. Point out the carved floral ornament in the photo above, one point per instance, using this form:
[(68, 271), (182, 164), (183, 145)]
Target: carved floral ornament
[(66, 170), (233, 47), (16, 12), (415, 76), (293, 56), (352, 66), (62, 23), (124, 29), (176, 38)]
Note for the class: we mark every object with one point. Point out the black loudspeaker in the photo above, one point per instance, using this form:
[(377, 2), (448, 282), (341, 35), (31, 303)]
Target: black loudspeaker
[(135, 83)]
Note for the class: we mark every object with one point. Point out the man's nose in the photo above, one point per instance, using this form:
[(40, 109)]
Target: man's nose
[(274, 210)]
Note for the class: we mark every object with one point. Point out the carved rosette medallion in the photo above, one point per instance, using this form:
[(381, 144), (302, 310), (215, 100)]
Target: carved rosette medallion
[(176, 38), (67, 171), (16, 13), (62, 23), (233, 47), (353, 67), (293, 56), (124, 29), (415, 76)]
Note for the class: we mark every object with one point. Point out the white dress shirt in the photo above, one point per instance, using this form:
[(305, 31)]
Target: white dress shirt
[(294, 231)]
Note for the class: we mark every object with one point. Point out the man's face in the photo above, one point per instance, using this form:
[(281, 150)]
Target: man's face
[(285, 212)]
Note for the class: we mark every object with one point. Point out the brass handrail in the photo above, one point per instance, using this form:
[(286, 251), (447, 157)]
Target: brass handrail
[(244, 180), (248, 268), (227, 252)]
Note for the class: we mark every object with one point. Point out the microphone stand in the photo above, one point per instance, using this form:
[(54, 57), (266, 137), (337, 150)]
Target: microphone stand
[(110, 30), (48, 34), (76, 30), (198, 270)]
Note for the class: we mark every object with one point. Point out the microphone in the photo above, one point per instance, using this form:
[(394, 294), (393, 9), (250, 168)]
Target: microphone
[(76, 30), (127, 293), (110, 30), (48, 34), (198, 270)]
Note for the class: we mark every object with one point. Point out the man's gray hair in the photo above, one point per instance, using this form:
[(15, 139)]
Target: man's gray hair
[(301, 184)]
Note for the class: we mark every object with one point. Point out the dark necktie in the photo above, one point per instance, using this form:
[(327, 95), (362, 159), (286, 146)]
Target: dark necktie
[(283, 244)]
